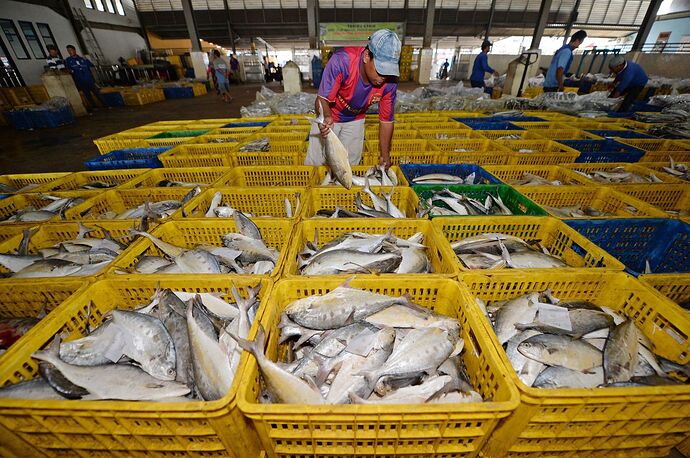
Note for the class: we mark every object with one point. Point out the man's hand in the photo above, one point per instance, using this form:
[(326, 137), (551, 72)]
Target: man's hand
[(561, 88), (325, 128), (385, 161)]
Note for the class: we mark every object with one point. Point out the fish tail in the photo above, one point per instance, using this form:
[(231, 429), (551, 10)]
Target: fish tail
[(370, 376), (256, 346)]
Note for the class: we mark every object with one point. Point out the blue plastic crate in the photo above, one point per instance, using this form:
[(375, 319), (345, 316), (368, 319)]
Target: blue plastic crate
[(604, 151), (178, 92), (517, 119), (132, 158), (641, 106), (246, 124), (113, 99), (466, 120), (620, 134), (49, 119), (20, 119), (665, 243), (412, 171), (624, 114), (492, 125)]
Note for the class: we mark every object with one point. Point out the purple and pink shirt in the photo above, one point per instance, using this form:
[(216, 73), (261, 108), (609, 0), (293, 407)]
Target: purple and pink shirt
[(342, 85)]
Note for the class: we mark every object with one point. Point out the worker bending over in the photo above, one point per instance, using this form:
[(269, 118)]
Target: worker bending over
[(481, 66), (354, 78), (560, 64), (630, 80)]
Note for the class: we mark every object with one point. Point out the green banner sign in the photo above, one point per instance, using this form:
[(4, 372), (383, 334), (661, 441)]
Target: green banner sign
[(357, 31)]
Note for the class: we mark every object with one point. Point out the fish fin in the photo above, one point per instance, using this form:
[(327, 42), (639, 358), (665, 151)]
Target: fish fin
[(346, 283), (83, 230), (350, 319), (371, 376), (256, 346), (504, 254), (548, 294), (647, 267), (325, 369), (355, 399), (303, 339)]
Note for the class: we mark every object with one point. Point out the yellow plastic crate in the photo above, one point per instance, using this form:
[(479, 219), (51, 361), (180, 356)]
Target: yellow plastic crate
[(358, 170), (560, 239), (292, 156), (8, 231), (474, 151), (453, 430), (510, 134), (633, 125), (566, 134), (674, 286), (203, 176), (549, 115), (11, 205), (267, 202), (439, 123), (124, 140), (403, 151), (604, 199), (668, 197), (291, 121), (544, 152), (50, 234), (328, 197), (75, 181), (372, 133), (121, 428), (268, 175), (660, 156), (278, 138), (684, 447), (662, 147), (301, 129), (640, 421), (28, 298), (236, 131), (447, 134), (233, 139), (510, 173), (199, 155), (276, 233), (628, 167), (119, 200), (21, 180)]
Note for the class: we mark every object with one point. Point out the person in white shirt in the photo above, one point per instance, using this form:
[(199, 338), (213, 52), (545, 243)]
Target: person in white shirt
[(54, 61)]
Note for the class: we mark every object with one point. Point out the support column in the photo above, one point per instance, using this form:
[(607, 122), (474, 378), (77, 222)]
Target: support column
[(311, 24), (197, 55), (647, 24), (571, 21), (544, 11), (491, 20), (191, 24), (227, 20), (429, 26)]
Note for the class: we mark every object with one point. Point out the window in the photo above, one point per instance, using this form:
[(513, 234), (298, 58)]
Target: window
[(32, 39), (109, 6), (99, 5), (47, 35), (13, 39), (120, 8), (88, 4)]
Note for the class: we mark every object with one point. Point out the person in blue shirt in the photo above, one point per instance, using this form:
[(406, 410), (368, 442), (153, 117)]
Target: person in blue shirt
[(560, 64), (220, 69), (630, 81), (80, 69), (481, 66)]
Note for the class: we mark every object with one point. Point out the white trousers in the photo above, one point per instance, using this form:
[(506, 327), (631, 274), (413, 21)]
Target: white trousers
[(351, 134)]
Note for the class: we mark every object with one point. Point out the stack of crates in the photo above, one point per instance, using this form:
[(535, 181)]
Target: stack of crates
[(638, 225)]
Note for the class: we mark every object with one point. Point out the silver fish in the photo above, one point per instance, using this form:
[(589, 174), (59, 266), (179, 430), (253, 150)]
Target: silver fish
[(621, 353), (335, 153), (562, 377), (351, 261), (554, 350)]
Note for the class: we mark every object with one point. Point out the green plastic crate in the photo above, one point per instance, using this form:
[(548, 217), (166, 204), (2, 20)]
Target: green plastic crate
[(516, 202)]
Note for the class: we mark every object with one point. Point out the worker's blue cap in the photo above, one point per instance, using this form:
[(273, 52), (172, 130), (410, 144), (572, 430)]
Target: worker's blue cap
[(385, 45)]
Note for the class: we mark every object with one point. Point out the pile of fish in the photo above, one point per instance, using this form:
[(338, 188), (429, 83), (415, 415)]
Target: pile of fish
[(216, 209), (511, 137), (578, 211), (57, 206), (495, 251), (81, 256), (12, 329), (225, 140), (97, 184), (243, 253), (254, 146), (335, 153), (619, 175), (357, 252), (678, 169), (377, 176), (675, 130), (180, 347), (667, 115), (529, 179), (383, 206), (355, 346), (147, 211), (576, 344), (178, 184), (458, 204), (444, 178), (9, 189)]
